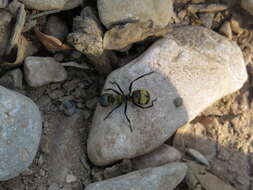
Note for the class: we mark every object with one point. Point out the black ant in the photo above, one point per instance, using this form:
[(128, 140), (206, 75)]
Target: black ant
[(139, 98)]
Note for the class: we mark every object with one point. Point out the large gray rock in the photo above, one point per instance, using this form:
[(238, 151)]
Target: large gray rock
[(121, 11), (159, 178), (193, 63), (20, 130), (51, 4), (40, 71)]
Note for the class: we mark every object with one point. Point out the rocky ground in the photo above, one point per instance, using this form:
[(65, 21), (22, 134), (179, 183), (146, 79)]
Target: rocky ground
[(61, 59)]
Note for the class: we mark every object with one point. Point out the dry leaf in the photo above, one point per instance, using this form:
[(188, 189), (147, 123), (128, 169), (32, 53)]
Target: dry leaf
[(50, 42)]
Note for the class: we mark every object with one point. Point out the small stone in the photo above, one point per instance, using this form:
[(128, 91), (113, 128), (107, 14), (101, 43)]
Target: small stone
[(51, 4), (59, 57), (68, 108), (41, 160), (178, 102), (87, 35), (198, 156), (20, 132), (56, 27), (226, 30), (160, 156), (112, 12), (207, 19), (159, 178), (76, 54), (71, 178), (42, 172), (40, 71), (12, 79)]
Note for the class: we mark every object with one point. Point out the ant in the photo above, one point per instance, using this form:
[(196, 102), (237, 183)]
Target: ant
[(139, 98)]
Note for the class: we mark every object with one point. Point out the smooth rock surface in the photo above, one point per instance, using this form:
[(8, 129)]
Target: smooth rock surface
[(20, 132), (247, 5), (162, 155), (40, 71), (113, 12), (184, 62), (44, 5), (159, 178)]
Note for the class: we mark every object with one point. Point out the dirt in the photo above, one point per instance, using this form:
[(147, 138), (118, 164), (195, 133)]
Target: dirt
[(223, 132)]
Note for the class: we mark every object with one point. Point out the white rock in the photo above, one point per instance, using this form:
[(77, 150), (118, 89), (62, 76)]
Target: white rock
[(40, 71), (120, 11), (51, 4), (70, 178), (193, 63), (159, 178), (247, 5), (160, 156)]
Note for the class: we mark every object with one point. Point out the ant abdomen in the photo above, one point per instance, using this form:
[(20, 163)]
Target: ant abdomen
[(141, 97)]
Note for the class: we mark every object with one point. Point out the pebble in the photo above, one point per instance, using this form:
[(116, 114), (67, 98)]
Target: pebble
[(70, 178), (51, 4), (68, 108), (56, 27), (247, 5), (112, 12), (20, 133), (183, 61), (207, 19), (87, 35), (162, 155), (40, 71), (198, 156), (226, 30), (12, 79), (158, 178)]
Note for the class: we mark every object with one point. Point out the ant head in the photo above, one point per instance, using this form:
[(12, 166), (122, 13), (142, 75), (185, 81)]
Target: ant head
[(141, 97), (106, 99)]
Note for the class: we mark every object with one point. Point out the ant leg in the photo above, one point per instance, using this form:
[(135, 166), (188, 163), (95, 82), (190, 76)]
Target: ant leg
[(115, 83), (125, 112), (112, 111), (131, 84), (115, 91), (145, 107)]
